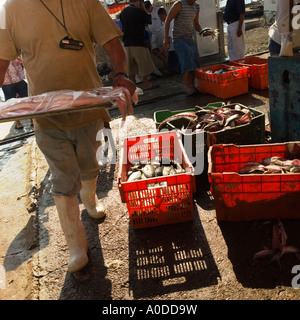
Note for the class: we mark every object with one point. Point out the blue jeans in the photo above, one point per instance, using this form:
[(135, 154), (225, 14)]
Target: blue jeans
[(14, 89), (187, 53)]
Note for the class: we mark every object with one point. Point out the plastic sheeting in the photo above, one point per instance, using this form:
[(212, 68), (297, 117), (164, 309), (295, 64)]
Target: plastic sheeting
[(65, 100)]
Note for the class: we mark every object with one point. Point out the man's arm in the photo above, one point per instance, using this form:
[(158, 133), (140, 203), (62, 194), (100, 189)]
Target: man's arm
[(176, 7), (117, 55), (241, 10), (196, 24), (241, 21), (3, 67), (118, 58)]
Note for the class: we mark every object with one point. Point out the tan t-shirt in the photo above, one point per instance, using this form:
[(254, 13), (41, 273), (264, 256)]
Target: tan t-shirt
[(32, 31)]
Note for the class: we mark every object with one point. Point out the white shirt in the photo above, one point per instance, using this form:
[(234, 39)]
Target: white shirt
[(281, 24), (157, 24)]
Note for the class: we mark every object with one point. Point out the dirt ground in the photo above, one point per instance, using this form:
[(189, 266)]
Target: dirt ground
[(256, 40), (204, 259)]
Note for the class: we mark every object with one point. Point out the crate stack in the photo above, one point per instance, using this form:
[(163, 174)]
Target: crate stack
[(226, 81)]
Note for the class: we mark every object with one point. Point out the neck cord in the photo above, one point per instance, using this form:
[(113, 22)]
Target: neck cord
[(62, 11)]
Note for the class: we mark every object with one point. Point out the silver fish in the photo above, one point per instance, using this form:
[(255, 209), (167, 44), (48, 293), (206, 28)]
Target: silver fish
[(155, 163), (295, 169), (286, 165), (251, 167), (158, 171), (154, 169), (272, 160), (166, 170), (149, 171), (228, 121), (172, 171), (137, 175), (143, 176)]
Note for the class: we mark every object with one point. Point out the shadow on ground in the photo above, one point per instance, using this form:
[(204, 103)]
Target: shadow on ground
[(244, 239), (170, 258)]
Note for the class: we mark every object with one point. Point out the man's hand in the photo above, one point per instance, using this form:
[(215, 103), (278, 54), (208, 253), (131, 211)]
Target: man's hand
[(239, 32), (123, 81), (118, 58), (166, 44)]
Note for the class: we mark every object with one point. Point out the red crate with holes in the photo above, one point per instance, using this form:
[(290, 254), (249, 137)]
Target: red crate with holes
[(253, 196), (223, 81), (258, 71), (158, 200)]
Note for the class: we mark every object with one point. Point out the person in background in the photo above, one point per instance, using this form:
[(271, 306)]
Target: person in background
[(68, 141), (279, 26), (14, 85), (157, 33), (186, 18), (134, 18), (173, 63), (234, 15)]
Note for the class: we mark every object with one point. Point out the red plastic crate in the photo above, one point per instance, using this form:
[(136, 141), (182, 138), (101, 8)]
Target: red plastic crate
[(148, 204), (252, 196), (231, 83), (258, 70)]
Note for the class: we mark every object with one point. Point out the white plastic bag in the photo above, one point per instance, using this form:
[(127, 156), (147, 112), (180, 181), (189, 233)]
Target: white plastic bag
[(286, 49)]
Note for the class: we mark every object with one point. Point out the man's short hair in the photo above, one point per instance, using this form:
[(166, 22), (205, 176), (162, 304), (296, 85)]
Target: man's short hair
[(147, 4), (162, 11)]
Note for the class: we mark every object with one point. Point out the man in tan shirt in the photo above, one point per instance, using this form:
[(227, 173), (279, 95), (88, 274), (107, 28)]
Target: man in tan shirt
[(35, 29)]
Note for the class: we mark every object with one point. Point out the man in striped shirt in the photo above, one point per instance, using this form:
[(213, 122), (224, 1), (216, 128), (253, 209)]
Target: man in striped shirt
[(186, 18)]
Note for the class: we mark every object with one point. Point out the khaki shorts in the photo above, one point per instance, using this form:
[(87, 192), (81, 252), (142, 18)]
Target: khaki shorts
[(139, 61), (71, 156)]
